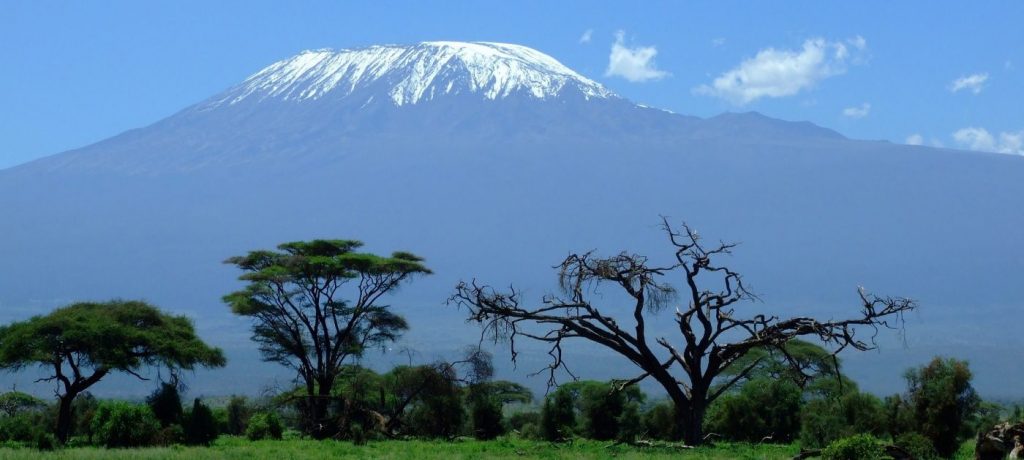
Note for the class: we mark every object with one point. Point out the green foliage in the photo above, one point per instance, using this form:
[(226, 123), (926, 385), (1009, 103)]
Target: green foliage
[(899, 416), (798, 361), (120, 424), (21, 428), (264, 425), (117, 335), (762, 409), (238, 413), (630, 423), (826, 420), (942, 400), (201, 427), (166, 404), (558, 416), (918, 446), (525, 421), (485, 414), (14, 402), (660, 422), (857, 447)]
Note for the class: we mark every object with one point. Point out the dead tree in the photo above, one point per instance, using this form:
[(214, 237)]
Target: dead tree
[(712, 335)]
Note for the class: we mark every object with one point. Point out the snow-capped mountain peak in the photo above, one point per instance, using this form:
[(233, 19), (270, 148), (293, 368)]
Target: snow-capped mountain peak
[(415, 73)]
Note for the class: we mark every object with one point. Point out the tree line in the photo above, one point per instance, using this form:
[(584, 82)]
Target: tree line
[(315, 308)]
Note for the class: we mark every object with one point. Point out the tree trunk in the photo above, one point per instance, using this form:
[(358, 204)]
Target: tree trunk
[(692, 422), (64, 417), (324, 427)]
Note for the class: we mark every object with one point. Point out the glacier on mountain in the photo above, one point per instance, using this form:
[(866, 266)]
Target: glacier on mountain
[(416, 73)]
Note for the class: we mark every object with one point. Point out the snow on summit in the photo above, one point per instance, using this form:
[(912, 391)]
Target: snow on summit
[(415, 73)]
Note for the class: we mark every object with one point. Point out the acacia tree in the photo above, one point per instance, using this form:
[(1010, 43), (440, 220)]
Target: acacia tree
[(84, 342), (302, 320), (712, 334)]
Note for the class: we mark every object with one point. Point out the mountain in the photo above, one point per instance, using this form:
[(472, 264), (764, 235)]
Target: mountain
[(494, 161)]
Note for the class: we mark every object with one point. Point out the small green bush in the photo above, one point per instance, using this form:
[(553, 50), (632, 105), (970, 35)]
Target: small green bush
[(120, 424), (858, 447), (264, 425), (917, 445)]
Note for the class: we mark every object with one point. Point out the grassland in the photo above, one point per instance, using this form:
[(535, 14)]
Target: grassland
[(239, 448)]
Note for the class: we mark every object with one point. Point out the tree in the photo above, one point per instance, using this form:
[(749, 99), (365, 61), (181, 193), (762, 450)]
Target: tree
[(762, 410), (302, 320), (713, 334), (13, 402), (942, 399), (558, 416), (487, 401), (82, 343)]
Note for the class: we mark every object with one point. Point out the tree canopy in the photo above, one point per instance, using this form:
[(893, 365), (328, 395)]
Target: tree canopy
[(82, 343)]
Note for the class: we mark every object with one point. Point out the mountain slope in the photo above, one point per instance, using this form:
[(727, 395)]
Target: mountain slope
[(499, 180)]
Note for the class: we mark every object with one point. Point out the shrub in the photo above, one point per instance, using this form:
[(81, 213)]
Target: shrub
[(264, 425), (660, 422), (557, 416), (825, 420), (201, 427), (485, 414), (238, 413), (858, 447), (630, 423), (166, 404), (20, 428), (918, 446), (120, 424), (762, 408), (519, 420)]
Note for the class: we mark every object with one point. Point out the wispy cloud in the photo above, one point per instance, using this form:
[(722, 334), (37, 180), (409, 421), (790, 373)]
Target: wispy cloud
[(780, 73), (587, 35), (981, 139), (718, 41), (634, 64), (914, 139), (857, 112), (975, 83)]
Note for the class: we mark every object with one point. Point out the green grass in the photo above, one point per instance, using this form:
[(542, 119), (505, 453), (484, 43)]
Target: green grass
[(238, 448)]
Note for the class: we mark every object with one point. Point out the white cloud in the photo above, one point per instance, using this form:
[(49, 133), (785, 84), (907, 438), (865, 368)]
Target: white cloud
[(980, 139), (585, 38), (634, 64), (914, 139), (857, 112), (781, 73), (718, 41), (975, 83)]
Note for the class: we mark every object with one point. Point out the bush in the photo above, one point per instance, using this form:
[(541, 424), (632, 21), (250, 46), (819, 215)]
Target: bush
[(557, 416), (485, 414), (119, 424), (660, 422), (169, 436), (918, 446), (825, 420), (761, 409), (201, 428), (519, 420), (238, 413), (858, 447), (264, 425), (166, 404), (20, 428)]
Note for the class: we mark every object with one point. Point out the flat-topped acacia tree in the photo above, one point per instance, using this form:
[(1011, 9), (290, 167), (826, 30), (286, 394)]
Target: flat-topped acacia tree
[(84, 342), (712, 334), (303, 319)]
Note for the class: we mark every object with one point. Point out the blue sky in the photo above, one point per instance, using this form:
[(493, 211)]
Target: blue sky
[(72, 73)]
